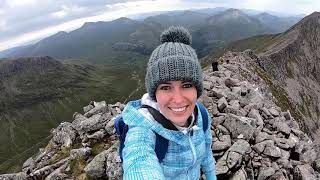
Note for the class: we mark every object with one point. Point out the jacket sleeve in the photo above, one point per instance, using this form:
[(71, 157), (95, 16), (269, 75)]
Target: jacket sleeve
[(139, 158), (208, 164)]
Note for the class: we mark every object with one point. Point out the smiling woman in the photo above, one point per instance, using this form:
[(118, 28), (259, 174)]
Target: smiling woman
[(169, 111)]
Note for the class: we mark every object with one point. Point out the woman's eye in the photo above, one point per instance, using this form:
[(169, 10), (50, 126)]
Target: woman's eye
[(188, 85), (165, 88)]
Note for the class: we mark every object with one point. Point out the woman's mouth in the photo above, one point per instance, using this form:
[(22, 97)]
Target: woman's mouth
[(179, 109)]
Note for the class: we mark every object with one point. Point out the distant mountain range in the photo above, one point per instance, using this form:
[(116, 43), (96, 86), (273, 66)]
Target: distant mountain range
[(119, 40)]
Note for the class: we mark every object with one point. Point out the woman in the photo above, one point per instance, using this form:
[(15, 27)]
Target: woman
[(174, 83)]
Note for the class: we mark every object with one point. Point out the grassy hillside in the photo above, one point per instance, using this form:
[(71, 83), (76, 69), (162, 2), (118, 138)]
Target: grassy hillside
[(34, 101)]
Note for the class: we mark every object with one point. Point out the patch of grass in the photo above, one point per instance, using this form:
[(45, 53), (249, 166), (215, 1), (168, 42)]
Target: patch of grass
[(98, 148), (77, 168), (64, 153)]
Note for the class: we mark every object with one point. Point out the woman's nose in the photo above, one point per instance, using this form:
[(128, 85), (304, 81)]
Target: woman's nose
[(177, 96)]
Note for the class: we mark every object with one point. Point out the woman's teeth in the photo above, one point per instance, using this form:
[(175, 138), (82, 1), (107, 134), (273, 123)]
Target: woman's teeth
[(178, 109)]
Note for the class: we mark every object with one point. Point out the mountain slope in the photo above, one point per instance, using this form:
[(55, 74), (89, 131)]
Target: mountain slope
[(37, 93), (293, 61), (277, 24), (225, 27)]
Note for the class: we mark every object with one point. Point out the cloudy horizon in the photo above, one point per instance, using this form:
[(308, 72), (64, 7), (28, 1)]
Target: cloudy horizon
[(26, 21)]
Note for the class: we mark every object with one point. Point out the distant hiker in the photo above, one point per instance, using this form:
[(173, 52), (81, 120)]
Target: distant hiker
[(215, 65), (168, 134)]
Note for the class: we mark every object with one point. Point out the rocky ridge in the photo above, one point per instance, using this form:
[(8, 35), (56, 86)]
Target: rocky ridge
[(252, 137), (292, 60)]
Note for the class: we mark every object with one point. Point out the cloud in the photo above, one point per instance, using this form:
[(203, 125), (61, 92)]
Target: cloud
[(25, 20), (22, 16)]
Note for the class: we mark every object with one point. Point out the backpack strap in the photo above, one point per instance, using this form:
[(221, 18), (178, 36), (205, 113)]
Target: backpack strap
[(204, 114), (161, 144), (160, 118), (121, 130)]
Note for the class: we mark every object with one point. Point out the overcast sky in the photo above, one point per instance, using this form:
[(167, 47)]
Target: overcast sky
[(25, 21)]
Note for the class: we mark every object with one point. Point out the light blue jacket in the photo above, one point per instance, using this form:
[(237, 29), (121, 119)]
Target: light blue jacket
[(186, 154)]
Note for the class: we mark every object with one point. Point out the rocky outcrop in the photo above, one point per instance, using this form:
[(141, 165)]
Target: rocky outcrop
[(253, 138), (16, 66)]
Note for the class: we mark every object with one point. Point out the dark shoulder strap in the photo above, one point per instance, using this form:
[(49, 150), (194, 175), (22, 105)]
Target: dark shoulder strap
[(160, 118), (161, 144), (204, 116)]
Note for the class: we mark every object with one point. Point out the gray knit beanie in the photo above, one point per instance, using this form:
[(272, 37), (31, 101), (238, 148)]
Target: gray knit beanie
[(173, 60)]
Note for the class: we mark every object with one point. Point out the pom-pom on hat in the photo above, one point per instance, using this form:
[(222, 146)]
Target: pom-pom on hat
[(173, 60)]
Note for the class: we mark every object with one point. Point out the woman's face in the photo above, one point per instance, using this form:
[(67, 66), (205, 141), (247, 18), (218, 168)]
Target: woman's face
[(176, 100)]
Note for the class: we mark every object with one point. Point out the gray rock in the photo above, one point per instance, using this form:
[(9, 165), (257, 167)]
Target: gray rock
[(309, 156), (231, 82), (298, 133), (255, 114), (28, 166), (219, 93), (220, 119), (81, 152), (236, 90), (265, 172), (224, 143), (239, 175), (278, 176), (14, 176), (232, 110), (97, 135), (110, 127), (287, 115), (304, 172), (262, 136), (235, 104), (99, 107), (265, 113), (274, 112), (113, 165), (284, 143), (222, 103), (58, 174), (207, 85), (64, 135), (45, 171), (214, 110), (260, 147), (239, 125), (231, 96), (97, 167), (206, 100), (284, 163), (223, 130), (233, 156), (272, 151), (87, 108), (285, 154), (282, 127), (317, 165), (95, 122)]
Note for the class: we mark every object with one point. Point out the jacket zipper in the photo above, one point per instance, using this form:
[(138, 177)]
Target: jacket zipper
[(193, 152)]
